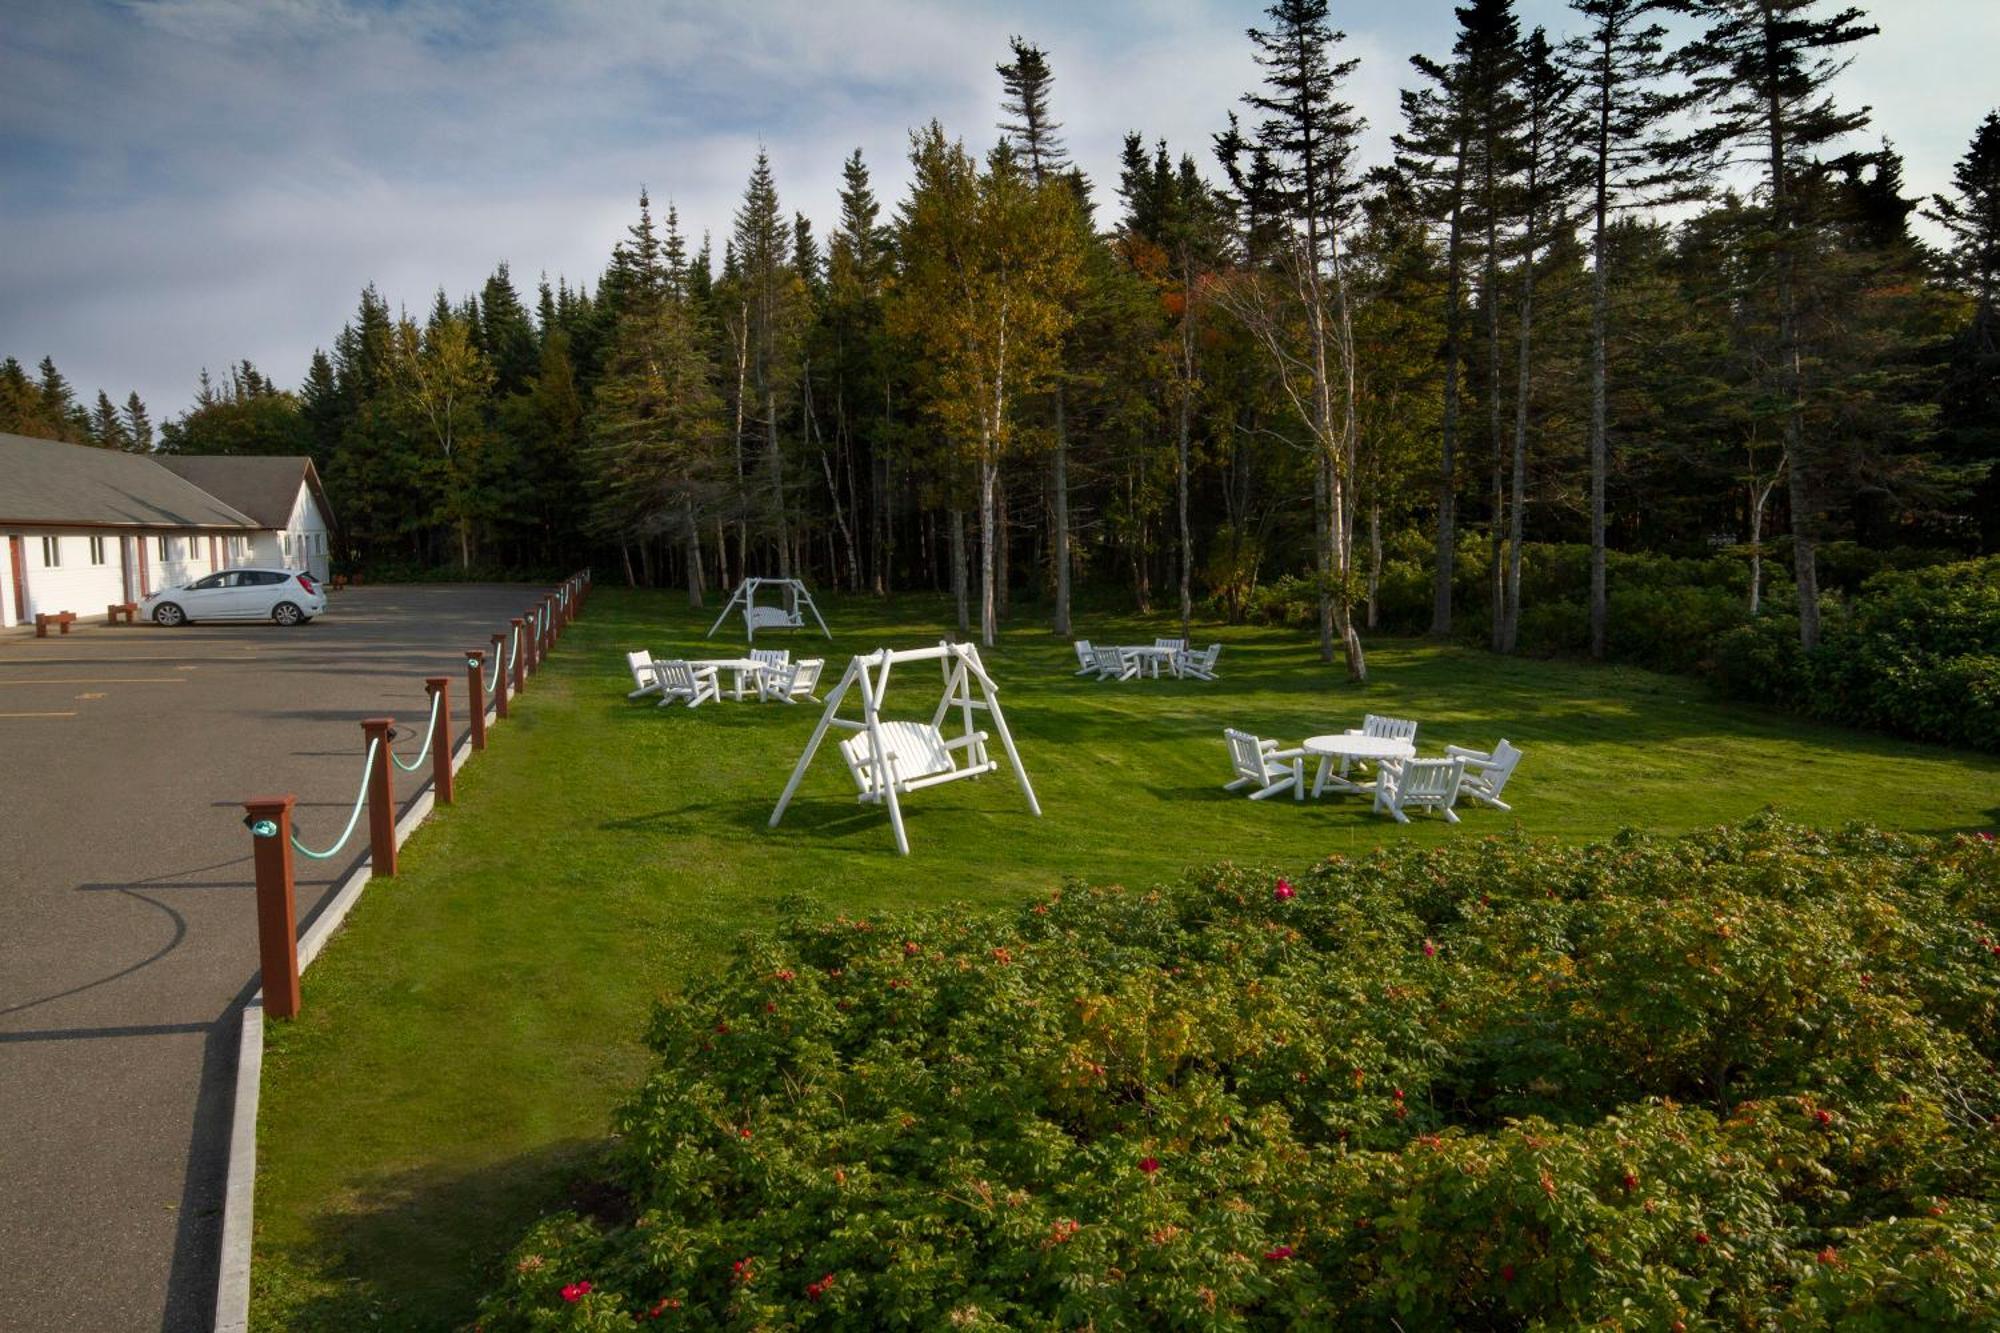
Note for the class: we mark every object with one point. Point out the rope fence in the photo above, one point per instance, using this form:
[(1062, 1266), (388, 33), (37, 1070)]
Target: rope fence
[(269, 819), (430, 734), (353, 818)]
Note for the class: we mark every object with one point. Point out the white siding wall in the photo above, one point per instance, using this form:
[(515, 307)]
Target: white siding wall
[(184, 559), (302, 544), (73, 583)]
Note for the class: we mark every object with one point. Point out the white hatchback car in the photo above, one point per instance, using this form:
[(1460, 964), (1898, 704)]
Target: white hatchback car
[(286, 596)]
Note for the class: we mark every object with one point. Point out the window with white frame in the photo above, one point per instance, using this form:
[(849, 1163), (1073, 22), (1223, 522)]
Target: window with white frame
[(97, 550), (51, 552)]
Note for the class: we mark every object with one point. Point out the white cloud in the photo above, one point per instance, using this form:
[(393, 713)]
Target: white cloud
[(189, 182)]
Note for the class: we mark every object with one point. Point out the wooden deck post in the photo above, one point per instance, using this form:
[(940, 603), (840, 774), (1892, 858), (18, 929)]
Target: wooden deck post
[(439, 688), (381, 799), (475, 694), (500, 677), (270, 821)]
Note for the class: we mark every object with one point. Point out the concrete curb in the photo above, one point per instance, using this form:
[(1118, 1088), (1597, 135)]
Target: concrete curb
[(232, 1295)]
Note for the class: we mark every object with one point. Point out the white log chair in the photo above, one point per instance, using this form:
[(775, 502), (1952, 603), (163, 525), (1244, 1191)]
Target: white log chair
[(1176, 654), (916, 755), (1112, 664), (645, 675), (1086, 663), (1262, 764), (1201, 665), (1486, 773), (1389, 728), (791, 682), (686, 683), (770, 658), (1419, 784)]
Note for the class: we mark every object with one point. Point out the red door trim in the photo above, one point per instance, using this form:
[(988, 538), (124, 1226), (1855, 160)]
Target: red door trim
[(20, 562)]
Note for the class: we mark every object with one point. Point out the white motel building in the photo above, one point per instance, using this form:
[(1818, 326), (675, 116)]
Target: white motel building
[(84, 528)]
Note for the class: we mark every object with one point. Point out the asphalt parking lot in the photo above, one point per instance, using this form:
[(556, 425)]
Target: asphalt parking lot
[(128, 934)]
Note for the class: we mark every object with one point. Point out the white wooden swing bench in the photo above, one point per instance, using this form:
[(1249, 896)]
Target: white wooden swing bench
[(794, 600), (889, 760)]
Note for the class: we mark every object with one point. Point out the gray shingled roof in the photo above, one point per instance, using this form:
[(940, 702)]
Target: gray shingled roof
[(47, 481), (264, 486)]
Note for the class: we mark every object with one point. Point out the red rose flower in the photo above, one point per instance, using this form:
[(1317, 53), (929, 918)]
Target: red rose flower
[(1701, 1238), (1284, 890), (1430, 949), (575, 1292), (1829, 1255), (1824, 1117), (1149, 1164), (1506, 1272), (1277, 1254)]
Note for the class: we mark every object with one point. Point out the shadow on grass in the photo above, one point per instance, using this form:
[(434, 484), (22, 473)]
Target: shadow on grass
[(416, 1249)]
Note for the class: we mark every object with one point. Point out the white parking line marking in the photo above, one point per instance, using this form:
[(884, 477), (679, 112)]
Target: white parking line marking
[(101, 680), (71, 713)]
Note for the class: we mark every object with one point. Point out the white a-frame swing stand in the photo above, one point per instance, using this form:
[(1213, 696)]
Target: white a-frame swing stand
[(790, 613), (889, 760)]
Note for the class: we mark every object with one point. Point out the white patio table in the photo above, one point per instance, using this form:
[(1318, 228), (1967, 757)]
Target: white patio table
[(743, 670), (1351, 746), (1150, 657)]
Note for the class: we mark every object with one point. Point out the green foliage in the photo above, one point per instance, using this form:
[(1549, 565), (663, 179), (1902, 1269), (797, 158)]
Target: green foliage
[(1744, 1077), (1918, 653)]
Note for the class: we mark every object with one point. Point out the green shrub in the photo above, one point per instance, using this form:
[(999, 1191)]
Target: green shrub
[(1916, 653), (1740, 1078)]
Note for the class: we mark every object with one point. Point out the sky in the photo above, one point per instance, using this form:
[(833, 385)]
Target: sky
[(187, 183)]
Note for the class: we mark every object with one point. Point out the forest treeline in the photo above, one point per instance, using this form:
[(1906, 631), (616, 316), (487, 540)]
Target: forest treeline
[(1628, 289)]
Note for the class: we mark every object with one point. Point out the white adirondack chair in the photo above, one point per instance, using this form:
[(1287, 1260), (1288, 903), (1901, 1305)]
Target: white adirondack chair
[(689, 684), (1486, 774), (791, 682), (771, 657), (1419, 784), (1201, 665), (1389, 728), (1176, 645), (1114, 665), (644, 674), (1086, 663), (1261, 764)]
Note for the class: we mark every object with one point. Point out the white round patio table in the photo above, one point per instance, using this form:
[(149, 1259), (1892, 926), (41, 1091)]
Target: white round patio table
[(1352, 746)]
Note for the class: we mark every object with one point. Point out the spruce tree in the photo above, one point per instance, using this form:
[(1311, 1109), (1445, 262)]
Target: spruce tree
[(107, 428), (1621, 60), (1969, 407), (774, 316), (1035, 136), (1761, 71), (138, 425), (1305, 143)]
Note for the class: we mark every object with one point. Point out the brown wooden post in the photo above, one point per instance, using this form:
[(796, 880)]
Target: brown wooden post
[(475, 694), (520, 641), (439, 688), (500, 676), (381, 799), (270, 821)]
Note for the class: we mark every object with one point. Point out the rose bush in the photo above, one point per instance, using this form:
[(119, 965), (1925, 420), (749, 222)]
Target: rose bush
[(1741, 1078)]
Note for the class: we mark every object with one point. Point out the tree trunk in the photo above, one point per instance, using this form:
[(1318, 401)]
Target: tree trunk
[(1181, 443), (958, 590), (1447, 529), (1374, 559), (693, 536), (1496, 526), (1798, 488), (1600, 605), (1062, 617), (776, 464), (989, 476), (1511, 630), (625, 556)]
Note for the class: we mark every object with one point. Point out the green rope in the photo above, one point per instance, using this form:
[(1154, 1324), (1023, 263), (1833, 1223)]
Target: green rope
[(367, 766), (430, 734)]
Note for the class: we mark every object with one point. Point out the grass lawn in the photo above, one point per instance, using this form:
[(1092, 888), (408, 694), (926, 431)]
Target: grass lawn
[(466, 1037)]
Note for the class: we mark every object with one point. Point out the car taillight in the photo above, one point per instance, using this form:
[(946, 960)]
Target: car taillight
[(306, 582)]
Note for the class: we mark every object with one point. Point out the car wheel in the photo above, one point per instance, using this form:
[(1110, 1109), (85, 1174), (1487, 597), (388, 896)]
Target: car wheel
[(166, 613), (285, 613)]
